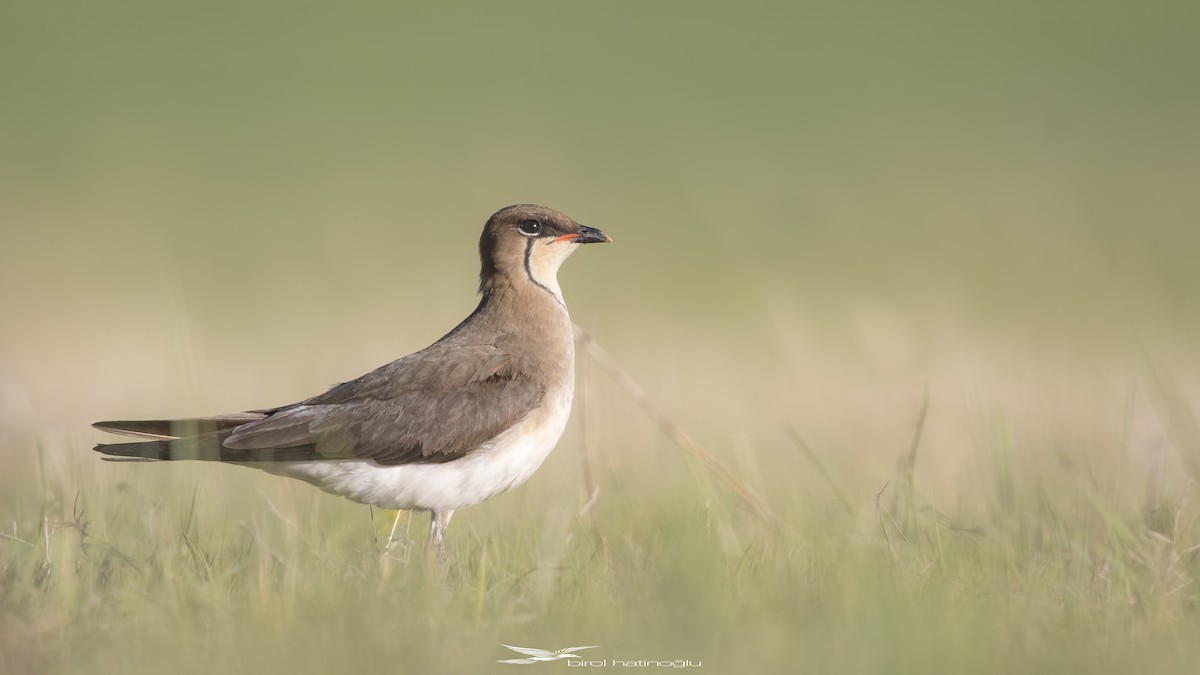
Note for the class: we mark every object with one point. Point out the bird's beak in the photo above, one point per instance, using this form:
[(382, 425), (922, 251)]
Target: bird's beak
[(585, 235)]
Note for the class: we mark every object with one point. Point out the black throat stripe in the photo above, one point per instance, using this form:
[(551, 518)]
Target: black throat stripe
[(529, 272)]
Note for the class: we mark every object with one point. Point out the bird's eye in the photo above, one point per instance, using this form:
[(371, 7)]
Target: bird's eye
[(530, 228)]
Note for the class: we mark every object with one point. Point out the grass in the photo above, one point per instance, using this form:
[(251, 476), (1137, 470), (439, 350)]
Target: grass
[(1049, 562)]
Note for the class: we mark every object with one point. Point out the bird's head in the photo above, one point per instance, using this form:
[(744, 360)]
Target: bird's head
[(527, 242)]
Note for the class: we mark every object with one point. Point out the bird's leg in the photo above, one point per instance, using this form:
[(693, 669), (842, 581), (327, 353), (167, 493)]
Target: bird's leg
[(391, 541), (386, 556), (435, 546)]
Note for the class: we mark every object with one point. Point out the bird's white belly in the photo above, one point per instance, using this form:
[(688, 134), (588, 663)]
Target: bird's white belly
[(500, 465)]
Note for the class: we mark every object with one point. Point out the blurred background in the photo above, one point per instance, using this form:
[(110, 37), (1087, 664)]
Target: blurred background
[(819, 210), (816, 208)]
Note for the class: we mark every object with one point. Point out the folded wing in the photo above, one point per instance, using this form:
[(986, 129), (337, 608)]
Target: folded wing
[(424, 408)]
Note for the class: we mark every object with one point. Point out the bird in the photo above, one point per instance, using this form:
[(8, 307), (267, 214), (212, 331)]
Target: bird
[(469, 417)]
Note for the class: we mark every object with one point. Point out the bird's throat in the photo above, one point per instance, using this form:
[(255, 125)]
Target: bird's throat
[(542, 270)]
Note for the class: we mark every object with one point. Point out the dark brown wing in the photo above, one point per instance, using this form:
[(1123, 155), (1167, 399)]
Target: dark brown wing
[(433, 406)]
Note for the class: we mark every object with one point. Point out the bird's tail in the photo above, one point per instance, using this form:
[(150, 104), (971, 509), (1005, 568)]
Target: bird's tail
[(188, 448), (198, 438)]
